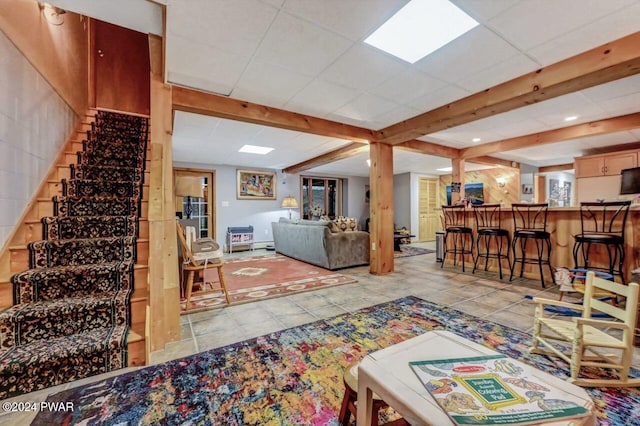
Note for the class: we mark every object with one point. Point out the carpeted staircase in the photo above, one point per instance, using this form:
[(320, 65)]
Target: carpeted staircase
[(72, 309)]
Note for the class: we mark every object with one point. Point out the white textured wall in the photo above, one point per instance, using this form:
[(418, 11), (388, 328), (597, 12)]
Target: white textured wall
[(34, 123)]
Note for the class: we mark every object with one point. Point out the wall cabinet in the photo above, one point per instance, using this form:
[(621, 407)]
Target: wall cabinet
[(606, 164)]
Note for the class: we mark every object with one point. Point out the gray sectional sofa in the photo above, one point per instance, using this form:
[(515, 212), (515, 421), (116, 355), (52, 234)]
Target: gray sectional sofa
[(314, 242)]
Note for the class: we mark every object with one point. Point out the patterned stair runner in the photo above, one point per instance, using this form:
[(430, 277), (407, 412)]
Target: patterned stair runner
[(71, 312)]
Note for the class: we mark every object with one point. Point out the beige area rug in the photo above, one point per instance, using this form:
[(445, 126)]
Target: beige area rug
[(262, 277)]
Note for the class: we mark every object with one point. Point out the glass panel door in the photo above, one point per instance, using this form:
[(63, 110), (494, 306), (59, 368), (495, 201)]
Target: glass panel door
[(194, 196), (321, 196)]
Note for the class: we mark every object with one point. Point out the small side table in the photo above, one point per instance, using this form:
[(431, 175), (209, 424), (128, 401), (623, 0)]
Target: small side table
[(387, 373)]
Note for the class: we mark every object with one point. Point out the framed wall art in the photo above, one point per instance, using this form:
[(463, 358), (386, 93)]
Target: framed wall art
[(256, 185)]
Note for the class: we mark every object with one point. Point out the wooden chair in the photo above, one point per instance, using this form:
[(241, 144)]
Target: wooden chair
[(191, 266), (588, 337)]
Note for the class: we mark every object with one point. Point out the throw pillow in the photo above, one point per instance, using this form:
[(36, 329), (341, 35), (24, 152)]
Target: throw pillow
[(346, 224)]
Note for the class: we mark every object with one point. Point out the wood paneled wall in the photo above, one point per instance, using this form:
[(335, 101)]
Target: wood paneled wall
[(493, 193), (58, 52)]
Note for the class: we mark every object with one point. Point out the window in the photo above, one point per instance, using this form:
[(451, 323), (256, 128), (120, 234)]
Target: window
[(321, 195)]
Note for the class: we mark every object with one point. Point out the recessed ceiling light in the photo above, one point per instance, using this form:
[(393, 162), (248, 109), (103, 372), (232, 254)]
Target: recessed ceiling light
[(476, 140), (419, 28), (254, 149), (445, 169), (571, 118)]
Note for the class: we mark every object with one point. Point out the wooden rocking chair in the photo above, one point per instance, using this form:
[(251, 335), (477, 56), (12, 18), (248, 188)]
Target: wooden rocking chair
[(191, 265), (588, 336)]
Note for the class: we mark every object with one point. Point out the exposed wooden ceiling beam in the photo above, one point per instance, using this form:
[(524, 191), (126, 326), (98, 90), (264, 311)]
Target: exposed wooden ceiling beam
[(609, 62), (600, 127), (190, 100), (338, 154), (555, 168), (493, 161), (429, 148)]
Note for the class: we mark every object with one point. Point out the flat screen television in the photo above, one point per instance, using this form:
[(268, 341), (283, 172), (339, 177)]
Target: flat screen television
[(630, 181)]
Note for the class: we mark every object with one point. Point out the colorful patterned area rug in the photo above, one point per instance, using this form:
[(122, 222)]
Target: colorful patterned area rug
[(262, 277), (294, 376), (406, 251)]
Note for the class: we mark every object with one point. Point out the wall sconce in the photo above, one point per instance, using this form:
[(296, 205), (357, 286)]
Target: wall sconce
[(501, 182), (52, 14)]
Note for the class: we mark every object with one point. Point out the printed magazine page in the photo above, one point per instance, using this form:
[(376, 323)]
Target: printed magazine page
[(493, 390)]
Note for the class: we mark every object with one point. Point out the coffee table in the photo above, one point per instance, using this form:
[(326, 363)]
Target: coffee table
[(387, 373)]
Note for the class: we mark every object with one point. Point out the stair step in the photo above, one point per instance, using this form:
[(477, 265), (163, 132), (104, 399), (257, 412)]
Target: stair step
[(29, 367), (84, 171), (78, 227), (98, 206), (29, 322), (34, 285), (20, 256), (56, 188), (81, 251)]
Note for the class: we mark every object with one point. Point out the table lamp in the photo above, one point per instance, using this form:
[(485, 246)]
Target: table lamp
[(289, 203)]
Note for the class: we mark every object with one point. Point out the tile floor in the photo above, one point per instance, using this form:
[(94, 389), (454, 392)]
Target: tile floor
[(481, 294)]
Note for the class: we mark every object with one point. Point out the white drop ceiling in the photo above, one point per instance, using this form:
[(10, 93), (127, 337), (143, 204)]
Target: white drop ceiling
[(308, 56)]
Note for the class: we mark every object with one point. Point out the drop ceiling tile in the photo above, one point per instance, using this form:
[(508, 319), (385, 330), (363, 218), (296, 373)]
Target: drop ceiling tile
[(362, 68), (182, 118), (484, 10), (467, 55), (407, 86), (439, 98), (623, 87), (196, 65), (531, 23), (274, 3), (270, 84), (234, 133), (464, 136), (513, 129), (321, 97), (499, 73), (366, 107), (354, 19), (577, 105), (610, 139), (395, 115), (300, 45), (609, 28), (622, 105), (235, 26)]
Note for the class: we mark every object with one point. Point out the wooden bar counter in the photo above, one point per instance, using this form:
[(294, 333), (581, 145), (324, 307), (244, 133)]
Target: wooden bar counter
[(563, 223)]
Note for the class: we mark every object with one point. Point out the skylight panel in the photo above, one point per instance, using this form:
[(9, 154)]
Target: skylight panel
[(255, 149), (420, 28)]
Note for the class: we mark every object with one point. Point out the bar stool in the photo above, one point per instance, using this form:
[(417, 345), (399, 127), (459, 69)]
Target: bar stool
[(530, 223), (602, 223), (455, 224), (348, 408), (488, 230)]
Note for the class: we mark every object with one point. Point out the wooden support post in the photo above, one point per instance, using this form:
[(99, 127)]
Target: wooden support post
[(457, 172), (381, 208), (164, 285)]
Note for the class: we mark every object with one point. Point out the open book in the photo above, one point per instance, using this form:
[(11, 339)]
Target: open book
[(493, 390)]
